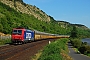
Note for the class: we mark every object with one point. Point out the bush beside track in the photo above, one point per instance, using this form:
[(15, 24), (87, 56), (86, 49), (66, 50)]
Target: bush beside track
[(56, 51), (5, 41)]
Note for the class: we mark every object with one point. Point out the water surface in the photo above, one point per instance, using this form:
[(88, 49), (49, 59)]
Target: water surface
[(86, 40)]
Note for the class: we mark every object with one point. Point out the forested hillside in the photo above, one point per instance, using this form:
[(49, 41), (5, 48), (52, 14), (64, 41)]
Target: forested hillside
[(20, 6), (11, 18)]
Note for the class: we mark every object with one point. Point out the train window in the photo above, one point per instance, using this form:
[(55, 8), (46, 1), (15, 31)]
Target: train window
[(17, 31), (14, 31)]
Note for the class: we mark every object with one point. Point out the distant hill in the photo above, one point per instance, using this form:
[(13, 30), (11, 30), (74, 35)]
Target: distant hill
[(15, 13), (66, 24)]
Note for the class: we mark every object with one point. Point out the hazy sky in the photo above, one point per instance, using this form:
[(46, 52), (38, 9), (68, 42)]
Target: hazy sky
[(73, 11)]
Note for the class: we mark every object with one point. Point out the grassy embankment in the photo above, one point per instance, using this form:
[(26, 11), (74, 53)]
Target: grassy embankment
[(5, 41), (57, 50)]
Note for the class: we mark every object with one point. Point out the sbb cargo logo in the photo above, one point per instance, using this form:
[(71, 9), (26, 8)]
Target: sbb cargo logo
[(28, 35)]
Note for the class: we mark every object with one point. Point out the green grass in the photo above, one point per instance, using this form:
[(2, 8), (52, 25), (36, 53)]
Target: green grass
[(88, 55), (53, 51), (5, 41)]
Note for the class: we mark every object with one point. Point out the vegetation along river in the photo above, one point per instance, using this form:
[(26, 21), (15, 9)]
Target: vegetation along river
[(86, 40)]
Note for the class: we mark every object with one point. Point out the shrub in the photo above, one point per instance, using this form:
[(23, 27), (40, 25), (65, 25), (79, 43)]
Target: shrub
[(5, 41), (82, 49), (85, 49), (84, 43), (76, 43)]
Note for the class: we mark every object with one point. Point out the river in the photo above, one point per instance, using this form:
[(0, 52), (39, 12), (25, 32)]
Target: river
[(86, 40)]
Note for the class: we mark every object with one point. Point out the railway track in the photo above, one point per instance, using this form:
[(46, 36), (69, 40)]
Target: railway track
[(22, 52)]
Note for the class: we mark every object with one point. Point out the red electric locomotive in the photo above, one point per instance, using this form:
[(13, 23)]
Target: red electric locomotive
[(20, 35)]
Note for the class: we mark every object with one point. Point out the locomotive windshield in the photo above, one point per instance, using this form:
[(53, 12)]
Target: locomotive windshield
[(17, 32)]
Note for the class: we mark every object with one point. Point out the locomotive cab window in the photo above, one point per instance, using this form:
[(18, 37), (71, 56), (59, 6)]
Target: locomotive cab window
[(17, 32)]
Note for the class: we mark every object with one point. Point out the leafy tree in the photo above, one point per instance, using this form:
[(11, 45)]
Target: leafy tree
[(74, 33), (77, 43)]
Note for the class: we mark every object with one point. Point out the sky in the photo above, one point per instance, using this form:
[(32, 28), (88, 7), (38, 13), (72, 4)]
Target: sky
[(73, 11)]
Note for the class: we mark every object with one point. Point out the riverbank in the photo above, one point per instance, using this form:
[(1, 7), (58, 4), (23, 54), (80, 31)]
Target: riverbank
[(75, 55), (87, 40), (82, 47)]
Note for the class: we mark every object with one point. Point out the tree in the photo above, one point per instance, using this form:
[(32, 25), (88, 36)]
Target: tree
[(77, 43), (74, 33)]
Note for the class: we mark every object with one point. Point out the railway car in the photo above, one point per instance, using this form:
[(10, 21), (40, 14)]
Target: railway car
[(22, 35), (42, 35)]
